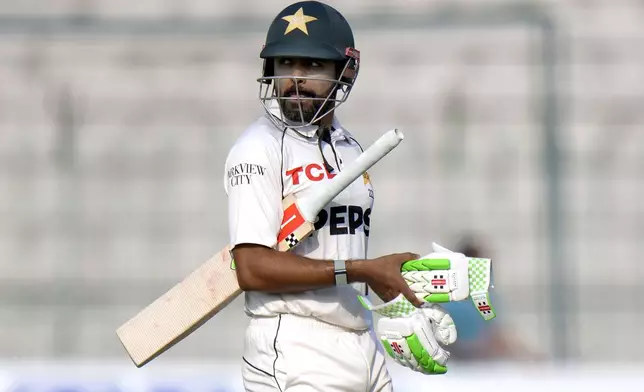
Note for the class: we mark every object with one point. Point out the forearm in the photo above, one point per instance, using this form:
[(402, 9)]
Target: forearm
[(264, 269)]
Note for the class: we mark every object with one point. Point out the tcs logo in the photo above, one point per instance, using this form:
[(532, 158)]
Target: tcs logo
[(312, 171), (344, 220)]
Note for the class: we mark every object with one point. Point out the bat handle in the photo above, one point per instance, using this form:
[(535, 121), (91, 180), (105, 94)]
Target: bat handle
[(328, 190)]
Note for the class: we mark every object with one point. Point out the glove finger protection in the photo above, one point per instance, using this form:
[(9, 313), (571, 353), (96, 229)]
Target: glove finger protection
[(446, 276), (413, 336)]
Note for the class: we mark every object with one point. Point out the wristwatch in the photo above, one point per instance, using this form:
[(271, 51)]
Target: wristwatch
[(340, 272)]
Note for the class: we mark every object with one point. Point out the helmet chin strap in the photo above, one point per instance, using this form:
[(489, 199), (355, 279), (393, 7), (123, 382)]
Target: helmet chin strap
[(324, 135)]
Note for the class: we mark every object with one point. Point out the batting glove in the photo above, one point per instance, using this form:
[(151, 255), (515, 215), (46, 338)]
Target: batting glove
[(413, 336), (446, 276)]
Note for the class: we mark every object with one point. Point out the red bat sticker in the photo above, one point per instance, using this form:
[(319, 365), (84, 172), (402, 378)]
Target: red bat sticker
[(291, 221)]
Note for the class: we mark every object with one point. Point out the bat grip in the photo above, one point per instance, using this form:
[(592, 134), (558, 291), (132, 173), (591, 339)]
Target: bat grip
[(328, 190)]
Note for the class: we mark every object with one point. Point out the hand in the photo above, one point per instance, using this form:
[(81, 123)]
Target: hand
[(446, 276), (384, 277), (414, 340)]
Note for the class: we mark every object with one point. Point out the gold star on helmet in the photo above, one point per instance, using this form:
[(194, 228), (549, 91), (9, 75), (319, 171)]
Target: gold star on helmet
[(298, 21)]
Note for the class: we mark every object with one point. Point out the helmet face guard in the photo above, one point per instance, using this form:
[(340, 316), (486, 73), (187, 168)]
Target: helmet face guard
[(272, 101)]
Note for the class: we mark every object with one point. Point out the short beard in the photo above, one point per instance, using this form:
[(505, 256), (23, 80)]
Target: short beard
[(306, 115), (294, 114)]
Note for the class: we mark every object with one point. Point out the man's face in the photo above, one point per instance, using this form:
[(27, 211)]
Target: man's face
[(306, 88)]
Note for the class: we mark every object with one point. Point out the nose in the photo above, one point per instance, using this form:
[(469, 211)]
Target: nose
[(292, 83), (299, 73), (299, 70)]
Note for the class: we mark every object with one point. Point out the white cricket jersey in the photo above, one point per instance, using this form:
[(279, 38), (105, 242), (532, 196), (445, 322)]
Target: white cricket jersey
[(264, 166)]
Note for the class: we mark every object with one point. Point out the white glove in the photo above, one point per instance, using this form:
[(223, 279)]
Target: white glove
[(446, 276), (413, 336)]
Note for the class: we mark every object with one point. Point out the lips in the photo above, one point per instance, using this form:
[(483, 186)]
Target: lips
[(301, 95)]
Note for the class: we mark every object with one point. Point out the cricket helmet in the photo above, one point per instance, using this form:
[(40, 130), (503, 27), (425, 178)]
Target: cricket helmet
[(312, 30)]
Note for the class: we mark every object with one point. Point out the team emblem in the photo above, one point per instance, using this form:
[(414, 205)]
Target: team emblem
[(298, 21)]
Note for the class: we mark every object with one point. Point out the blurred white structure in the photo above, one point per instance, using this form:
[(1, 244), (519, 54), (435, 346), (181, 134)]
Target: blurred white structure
[(112, 149), (222, 376)]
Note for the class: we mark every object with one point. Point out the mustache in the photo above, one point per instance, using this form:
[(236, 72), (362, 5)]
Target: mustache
[(300, 91)]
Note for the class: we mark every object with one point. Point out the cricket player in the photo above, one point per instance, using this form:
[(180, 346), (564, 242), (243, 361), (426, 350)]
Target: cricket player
[(308, 329)]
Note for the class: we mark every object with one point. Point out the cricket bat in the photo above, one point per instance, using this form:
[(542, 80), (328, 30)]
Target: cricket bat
[(207, 290)]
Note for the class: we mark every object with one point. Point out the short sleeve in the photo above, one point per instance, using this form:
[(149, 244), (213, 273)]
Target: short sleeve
[(253, 185)]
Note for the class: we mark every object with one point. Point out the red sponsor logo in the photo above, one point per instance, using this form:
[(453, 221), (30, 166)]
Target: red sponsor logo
[(313, 171), (439, 282), (396, 347), (484, 308)]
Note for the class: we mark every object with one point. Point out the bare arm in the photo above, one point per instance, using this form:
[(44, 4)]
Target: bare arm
[(260, 268), (264, 269)]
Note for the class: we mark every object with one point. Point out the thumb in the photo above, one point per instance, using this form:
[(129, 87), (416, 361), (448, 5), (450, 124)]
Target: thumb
[(442, 323), (431, 344)]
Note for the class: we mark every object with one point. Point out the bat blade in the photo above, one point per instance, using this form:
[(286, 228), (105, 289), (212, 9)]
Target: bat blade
[(201, 295), (207, 290), (181, 310)]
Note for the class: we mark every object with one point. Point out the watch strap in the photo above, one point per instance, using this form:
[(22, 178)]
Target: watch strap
[(340, 272)]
